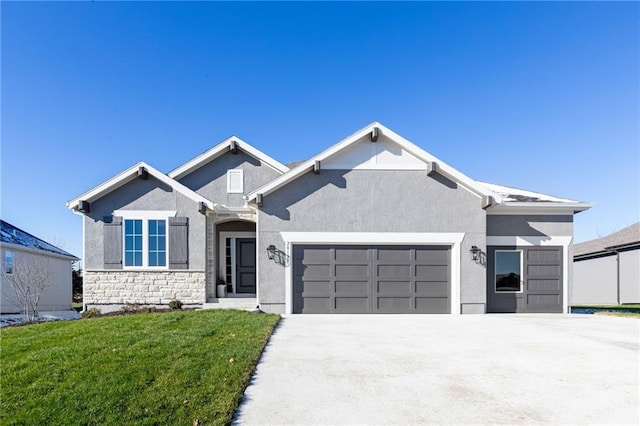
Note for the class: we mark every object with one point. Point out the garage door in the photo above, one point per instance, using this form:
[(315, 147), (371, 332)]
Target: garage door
[(524, 279), (371, 279)]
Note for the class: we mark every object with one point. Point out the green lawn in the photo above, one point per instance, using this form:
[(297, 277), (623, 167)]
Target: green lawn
[(163, 368), (625, 306)]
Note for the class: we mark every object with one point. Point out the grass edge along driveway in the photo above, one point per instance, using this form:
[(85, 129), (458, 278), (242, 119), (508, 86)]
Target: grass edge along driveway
[(176, 368)]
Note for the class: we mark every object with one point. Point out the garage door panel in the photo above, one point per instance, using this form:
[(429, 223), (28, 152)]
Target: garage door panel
[(434, 305), (432, 272), (352, 288), (351, 255), (394, 255), (351, 305), (316, 288), (537, 286), (316, 305), (352, 271), (543, 270), (394, 271), (435, 256), (392, 288), (432, 288), (394, 304), (371, 279), (319, 272), (314, 256)]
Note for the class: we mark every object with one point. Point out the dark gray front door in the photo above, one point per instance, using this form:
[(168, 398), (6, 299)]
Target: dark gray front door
[(245, 265), (540, 281), (371, 279)]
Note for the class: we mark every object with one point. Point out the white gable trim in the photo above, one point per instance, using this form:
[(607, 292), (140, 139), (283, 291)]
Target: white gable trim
[(452, 239), (127, 176), (223, 147), (412, 149)]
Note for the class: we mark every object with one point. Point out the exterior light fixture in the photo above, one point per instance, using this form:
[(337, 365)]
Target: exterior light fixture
[(271, 251), (475, 253)]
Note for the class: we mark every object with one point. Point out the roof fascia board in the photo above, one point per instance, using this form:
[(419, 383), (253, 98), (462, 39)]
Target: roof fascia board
[(519, 208), (413, 149), (38, 251), (130, 174), (213, 153)]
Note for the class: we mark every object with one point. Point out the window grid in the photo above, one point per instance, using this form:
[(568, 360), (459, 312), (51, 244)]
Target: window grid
[(133, 242), (157, 243)]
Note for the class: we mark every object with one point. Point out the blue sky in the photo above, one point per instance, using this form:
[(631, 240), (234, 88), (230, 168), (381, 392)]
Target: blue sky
[(542, 96)]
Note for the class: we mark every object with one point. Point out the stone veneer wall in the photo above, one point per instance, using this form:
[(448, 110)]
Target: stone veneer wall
[(144, 287)]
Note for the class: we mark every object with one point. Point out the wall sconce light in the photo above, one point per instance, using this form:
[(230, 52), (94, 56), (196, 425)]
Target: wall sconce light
[(475, 253), (271, 251)]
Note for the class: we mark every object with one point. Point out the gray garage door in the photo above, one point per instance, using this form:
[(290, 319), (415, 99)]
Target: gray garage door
[(524, 279), (371, 279)]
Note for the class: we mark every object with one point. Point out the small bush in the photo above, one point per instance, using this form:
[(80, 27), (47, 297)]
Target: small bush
[(131, 308), (175, 304), (91, 313)]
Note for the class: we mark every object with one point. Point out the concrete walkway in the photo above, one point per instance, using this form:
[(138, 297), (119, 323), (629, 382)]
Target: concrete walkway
[(442, 369)]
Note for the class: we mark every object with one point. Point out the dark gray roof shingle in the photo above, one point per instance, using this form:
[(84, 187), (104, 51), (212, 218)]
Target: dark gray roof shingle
[(624, 237), (13, 235)]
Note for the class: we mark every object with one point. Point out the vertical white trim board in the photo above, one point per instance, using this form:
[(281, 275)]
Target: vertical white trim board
[(453, 240)]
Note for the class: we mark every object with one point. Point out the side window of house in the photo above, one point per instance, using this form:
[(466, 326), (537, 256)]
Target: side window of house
[(145, 243), (8, 262), (235, 181)]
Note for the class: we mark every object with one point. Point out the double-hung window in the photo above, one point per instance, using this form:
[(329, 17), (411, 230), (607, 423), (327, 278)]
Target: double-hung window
[(8, 262), (145, 243)]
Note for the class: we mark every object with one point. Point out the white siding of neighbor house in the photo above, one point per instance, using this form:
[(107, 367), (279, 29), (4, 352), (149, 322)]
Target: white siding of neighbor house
[(57, 295), (595, 281), (630, 276)]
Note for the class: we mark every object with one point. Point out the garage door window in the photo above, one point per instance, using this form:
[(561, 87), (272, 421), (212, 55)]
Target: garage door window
[(508, 271)]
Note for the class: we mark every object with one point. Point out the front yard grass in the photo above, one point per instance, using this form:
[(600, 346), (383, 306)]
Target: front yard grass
[(178, 368)]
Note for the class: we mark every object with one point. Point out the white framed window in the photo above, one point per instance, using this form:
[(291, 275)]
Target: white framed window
[(145, 243), (235, 181), (508, 272), (8, 262)]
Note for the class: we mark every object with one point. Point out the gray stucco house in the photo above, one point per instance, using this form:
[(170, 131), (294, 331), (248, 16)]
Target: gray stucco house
[(373, 224), (30, 263), (607, 269)]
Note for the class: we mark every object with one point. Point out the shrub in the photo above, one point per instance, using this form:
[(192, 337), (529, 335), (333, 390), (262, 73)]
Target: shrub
[(91, 313), (130, 308), (175, 304)]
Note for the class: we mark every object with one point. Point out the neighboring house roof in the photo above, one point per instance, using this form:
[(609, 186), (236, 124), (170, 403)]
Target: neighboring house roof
[(412, 149), (15, 236), (628, 237), (127, 176), (220, 149)]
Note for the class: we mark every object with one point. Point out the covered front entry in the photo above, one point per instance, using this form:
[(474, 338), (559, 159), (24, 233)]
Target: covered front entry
[(524, 279), (371, 279), (231, 259)]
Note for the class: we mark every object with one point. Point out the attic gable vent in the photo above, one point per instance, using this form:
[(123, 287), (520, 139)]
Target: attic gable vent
[(235, 181)]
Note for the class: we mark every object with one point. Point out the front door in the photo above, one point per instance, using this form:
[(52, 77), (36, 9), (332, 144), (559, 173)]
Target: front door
[(245, 265)]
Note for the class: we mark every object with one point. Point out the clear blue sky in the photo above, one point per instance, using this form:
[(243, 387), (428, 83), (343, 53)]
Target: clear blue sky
[(542, 96)]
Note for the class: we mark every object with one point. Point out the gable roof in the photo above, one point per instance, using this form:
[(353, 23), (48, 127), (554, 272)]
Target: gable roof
[(627, 237), (13, 235), (415, 150), (130, 174), (221, 148)]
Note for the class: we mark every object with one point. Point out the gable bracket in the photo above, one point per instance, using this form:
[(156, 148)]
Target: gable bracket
[(375, 132), (233, 146), (316, 167), (259, 200), (143, 173), (488, 201), (432, 167)]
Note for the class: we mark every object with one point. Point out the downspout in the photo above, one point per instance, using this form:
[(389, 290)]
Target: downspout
[(617, 253)]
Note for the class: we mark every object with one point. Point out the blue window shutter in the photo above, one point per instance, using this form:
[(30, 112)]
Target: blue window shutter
[(178, 243), (113, 243)]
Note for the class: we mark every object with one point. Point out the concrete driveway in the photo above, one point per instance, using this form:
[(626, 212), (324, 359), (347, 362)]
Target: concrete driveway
[(442, 369)]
